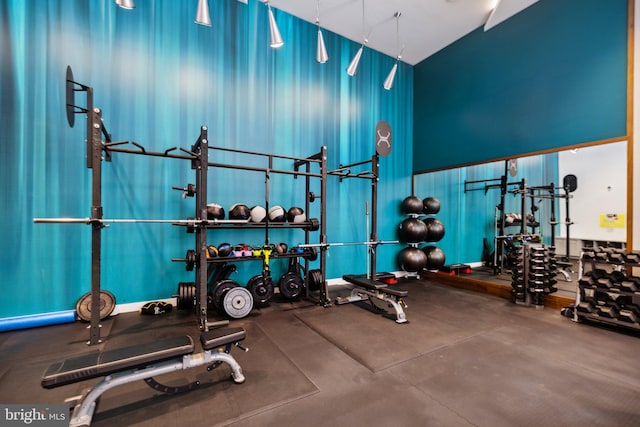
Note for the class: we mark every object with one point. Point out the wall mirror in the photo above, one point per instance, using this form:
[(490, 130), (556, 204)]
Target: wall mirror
[(472, 204)]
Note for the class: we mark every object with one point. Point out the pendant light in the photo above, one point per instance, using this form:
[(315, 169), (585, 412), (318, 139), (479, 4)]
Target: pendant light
[(388, 82), (276, 38), (321, 49), (202, 15), (353, 65)]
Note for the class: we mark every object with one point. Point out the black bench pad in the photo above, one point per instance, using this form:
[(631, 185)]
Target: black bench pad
[(108, 362), (219, 337), (364, 282), (375, 285)]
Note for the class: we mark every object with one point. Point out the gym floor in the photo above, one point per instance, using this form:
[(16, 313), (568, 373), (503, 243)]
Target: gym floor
[(463, 359)]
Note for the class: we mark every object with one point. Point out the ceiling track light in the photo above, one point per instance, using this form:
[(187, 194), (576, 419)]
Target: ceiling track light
[(276, 38), (321, 49), (202, 15), (125, 4), (388, 82), (353, 65)]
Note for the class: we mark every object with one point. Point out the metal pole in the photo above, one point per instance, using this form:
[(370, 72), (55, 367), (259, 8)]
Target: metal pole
[(201, 167), (94, 161), (374, 214)]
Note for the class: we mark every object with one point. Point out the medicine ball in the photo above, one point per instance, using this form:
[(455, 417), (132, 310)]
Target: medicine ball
[(282, 248), (412, 230), (258, 214), (215, 211), (435, 257), (412, 205), (430, 206), (435, 229), (239, 211), (224, 249), (411, 259), (295, 215), (277, 214)]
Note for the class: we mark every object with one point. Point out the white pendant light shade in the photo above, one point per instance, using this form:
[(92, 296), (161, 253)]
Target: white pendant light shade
[(388, 82), (276, 38), (353, 65), (202, 15), (321, 51), (126, 4)]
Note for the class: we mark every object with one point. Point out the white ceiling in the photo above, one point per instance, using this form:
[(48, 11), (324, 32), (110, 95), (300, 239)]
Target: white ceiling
[(425, 26)]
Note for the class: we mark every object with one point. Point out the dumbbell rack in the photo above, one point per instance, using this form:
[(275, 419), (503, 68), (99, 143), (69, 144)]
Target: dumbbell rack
[(610, 297), (533, 273), (301, 167)]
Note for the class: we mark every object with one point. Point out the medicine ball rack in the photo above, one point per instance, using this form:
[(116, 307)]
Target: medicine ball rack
[(98, 150)]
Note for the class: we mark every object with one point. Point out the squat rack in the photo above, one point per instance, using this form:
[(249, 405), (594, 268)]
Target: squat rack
[(199, 157)]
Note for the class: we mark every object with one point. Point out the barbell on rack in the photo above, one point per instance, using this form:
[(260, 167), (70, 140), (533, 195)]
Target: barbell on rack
[(313, 223), (327, 245), (127, 221)]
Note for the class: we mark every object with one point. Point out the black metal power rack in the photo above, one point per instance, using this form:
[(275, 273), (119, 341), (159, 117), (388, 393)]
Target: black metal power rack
[(98, 150)]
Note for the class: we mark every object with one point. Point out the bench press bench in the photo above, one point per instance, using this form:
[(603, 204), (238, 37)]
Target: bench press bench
[(142, 362), (378, 293)]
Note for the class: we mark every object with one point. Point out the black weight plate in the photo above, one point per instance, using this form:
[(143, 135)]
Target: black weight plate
[(290, 285), (190, 260), (221, 288), (186, 295), (107, 305), (237, 302), (261, 289), (315, 280)]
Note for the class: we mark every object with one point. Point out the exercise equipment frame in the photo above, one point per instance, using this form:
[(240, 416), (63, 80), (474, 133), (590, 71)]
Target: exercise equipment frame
[(99, 150)]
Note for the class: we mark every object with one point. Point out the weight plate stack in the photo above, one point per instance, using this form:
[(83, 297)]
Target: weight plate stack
[(221, 288), (315, 280), (186, 298)]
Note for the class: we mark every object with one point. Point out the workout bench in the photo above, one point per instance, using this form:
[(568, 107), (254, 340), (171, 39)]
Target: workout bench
[(142, 362), (378, 293)]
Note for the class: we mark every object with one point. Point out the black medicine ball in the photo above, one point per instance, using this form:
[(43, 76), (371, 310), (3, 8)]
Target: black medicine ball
[(215, 211), (411, 205), (295, 215), (239, 211)]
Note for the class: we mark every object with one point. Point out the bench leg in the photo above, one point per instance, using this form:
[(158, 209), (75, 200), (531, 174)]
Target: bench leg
[(83, 411), (359, 294)]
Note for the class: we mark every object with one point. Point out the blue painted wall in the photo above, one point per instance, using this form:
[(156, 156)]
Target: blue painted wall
[(158, 77), (551, 76)]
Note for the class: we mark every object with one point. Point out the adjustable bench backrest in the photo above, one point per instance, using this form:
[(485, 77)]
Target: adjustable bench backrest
[(108, 362)]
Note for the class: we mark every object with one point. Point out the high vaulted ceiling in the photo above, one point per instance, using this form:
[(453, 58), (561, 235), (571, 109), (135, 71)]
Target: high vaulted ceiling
[(425, 26)]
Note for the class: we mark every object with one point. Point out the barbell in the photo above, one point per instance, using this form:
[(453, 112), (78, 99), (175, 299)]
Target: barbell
[(327, 245), (313, 223)]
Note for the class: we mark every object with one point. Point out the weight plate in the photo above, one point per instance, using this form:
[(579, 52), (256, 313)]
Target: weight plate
[(315, 280), (190, 260), (186, 295), (107, 305), (221, 288), (261, 289), (290, 285), (237, 302)]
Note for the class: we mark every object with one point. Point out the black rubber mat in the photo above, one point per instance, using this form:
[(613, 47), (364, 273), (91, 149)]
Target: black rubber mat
[(271, 380), (378, 342)]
